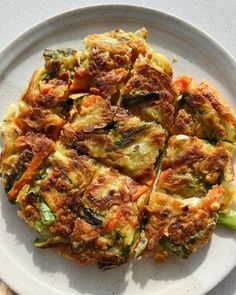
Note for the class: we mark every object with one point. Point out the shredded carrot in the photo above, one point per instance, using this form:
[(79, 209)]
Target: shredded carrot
[(27, 176), (44, 88), (55, 130), (94, 90), (182, 83), (141, 190), (78, 85), (151, 180), (112, 223), (165, 175), (90, 100), (18, 122), (214, 195)]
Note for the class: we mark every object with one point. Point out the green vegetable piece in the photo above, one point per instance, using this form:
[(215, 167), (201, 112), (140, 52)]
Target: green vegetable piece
[(123, 141), (144, 222), (57, 53), (39, 243), (42, 229), (13, 202), (142, 245), (174, 248), (228, 219), (125, 252), (45, 212)]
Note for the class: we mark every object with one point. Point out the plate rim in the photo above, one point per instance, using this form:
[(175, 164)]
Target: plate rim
[(33, 28), (37, 25)]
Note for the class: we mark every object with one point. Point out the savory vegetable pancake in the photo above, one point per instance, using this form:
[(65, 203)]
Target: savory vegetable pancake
[(82, 151)]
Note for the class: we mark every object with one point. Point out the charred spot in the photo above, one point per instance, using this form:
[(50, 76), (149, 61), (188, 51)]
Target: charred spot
[(64, 224), (34, 118), (65, 76), (99, 83), (195, 100), (98, 59), (52, 130), (165, 213), (18, 169), (186, 157), (112, 125), (45, 187), (141, 97), (52, 67), (81, 148), (183, 100), (175, 230), (110, 261), (47, 100), (133, 131), (112, 198), (185, 209), (90, 216)]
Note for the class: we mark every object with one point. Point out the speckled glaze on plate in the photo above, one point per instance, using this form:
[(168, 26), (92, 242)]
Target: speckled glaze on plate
[(28, 270)]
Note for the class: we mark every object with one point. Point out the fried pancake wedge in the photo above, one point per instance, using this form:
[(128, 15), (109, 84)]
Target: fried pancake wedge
[(105, 62), (178, 226), (192, 165), (203, 112), (43, 106), (149, 93)]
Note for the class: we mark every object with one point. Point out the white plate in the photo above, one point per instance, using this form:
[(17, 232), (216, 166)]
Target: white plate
[(28, 270)]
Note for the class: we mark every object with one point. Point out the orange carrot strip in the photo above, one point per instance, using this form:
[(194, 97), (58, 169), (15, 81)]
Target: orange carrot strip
[(18, 122), (182, 83), (111, 224), (141, 190), (151, 180), (27, 176), (44, 88)]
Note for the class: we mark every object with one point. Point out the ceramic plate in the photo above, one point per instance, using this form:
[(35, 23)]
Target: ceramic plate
[(28, 270)]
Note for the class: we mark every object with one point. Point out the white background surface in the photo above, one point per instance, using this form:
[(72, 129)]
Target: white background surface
[(216, 17)]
